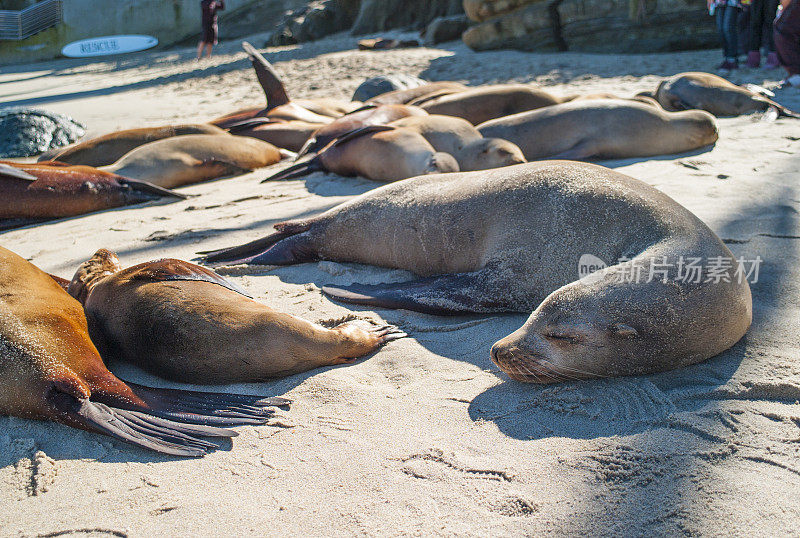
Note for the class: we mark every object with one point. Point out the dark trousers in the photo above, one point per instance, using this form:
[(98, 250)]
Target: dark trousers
[(762, 14), (787, 37), (728, 26)]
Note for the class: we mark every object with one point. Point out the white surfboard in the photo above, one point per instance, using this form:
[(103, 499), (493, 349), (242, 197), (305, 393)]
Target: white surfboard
[(105, 46)]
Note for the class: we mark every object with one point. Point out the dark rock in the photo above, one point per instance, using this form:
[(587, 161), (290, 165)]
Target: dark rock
[(443, 29), (379, 15), (386, 83), (632, 26), (25, 131), (315, 21)]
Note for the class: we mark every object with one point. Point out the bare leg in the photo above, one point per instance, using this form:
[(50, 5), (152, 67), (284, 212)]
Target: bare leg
[(200, 49), (209, 46)]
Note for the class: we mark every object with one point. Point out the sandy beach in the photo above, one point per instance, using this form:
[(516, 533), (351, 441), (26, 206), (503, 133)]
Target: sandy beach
[(426, 436)]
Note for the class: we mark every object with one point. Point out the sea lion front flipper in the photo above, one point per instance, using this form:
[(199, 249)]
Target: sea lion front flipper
[(252, 122), (755, 88), (15, 173), (229, 169), (443, 295), (196, 408), (145, 187), (580, 151), (172, 270), (269, 80)]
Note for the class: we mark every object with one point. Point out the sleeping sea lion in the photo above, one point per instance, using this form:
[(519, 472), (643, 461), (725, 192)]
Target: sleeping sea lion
[(714, 94), (376, 152), (406, 96), (477, 105), (603, 129), (363, 117), (50, 370), (512, 239), (33, 192), (108, 148), (186, 323), (182, 160), (459, 138)]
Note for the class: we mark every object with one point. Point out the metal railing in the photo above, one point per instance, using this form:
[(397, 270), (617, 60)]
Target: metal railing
[(16, 25)]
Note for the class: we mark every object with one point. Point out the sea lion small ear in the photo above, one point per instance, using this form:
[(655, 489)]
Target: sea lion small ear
[(624, 330)]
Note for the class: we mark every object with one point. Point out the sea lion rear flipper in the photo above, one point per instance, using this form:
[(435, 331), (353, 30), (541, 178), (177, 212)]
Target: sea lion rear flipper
[(149, 188), (356, 133), (442, 295), (269, 80), (164, 436), (300, 169), (247, 250), (195, 408), (15, 173), (248, 123)]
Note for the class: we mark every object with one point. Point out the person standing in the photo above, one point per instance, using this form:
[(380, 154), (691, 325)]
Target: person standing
[(209, 9), (762, 14), (727, 17), (787, 40)]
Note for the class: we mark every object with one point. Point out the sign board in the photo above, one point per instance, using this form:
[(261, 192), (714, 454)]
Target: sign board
[(104, 46)]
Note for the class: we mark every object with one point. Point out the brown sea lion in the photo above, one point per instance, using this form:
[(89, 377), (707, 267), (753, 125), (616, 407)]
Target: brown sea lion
[(363, 117), (51, 370), (107, 149), (459, 138), (328, 106), (33, 192), (478, 105), (186, 323), (182, 160), (714, 94), (603, 129), (376, 152), (291, 135), (406, 96), (513, 239)]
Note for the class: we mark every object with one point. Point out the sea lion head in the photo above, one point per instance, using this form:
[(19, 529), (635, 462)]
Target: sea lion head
[(487, 153), (103, 263), (582, 331), (700, 126), (441, 163)]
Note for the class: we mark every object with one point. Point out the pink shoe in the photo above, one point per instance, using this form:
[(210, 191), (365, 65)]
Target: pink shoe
[(753, 59), (772, 61)]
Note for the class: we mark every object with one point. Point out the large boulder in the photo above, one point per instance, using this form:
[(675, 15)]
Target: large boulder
[(444, 29), (594, 26), (314, 21), (379, 15)]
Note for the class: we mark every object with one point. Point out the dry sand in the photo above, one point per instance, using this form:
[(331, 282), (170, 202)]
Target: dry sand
[(427, 436)]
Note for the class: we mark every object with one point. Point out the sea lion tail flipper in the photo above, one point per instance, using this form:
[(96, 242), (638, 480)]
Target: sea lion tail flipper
[(148, 188), (195, 408), (15, 173), (253, 248), (140, 429), (241, 125), (300, 169), (442, 295), (269, 80)]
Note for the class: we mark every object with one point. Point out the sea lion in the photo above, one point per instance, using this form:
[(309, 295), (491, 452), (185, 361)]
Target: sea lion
[(186, 323), (290, 135), (714, 94), (603, 129), (477, 105), (328, 106), (109, 148), (33, 192), (50, 370), (186, 159), (376, 152), (461, 139), (512, 239), (406, 96), (363, 117)]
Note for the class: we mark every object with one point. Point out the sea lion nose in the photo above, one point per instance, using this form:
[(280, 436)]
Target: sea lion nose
[(502, 354)]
